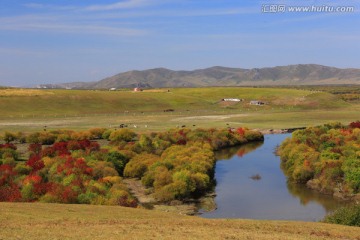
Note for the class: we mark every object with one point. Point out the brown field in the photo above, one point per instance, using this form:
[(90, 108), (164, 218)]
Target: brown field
[(57, 221)]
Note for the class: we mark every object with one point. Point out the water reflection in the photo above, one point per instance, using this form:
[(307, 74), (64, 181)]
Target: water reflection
[(270, 196), (306, 196), (228, 153)]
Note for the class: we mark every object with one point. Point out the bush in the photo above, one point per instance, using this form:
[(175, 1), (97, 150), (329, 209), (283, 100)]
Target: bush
[(47, 138), (138, 165), (97, 133), (351, 168), (345, 216), (328, 154), (122, 135), (33, 138), (9, 137), (118, 160), (106, 134)]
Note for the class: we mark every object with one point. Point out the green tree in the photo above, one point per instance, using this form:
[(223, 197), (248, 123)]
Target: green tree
[(9, 137), (118, 160)]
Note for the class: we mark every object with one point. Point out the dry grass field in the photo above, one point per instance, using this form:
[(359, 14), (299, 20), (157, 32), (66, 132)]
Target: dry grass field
[(56, 221)]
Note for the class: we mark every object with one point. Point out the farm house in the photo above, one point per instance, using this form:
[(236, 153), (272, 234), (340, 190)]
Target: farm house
[(256, 102)]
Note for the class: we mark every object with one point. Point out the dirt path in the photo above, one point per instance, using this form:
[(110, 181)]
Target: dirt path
[(138, 190), (210, 117)]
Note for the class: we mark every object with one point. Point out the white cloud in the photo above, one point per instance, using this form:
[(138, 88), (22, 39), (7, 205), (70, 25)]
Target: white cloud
[(65, 24), (119, 5), (74, 29), (48, 6)]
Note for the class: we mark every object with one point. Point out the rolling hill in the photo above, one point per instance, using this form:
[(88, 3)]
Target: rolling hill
[(300, 74)]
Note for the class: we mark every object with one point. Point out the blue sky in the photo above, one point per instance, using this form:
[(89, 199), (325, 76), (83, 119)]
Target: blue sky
[(58, 41)]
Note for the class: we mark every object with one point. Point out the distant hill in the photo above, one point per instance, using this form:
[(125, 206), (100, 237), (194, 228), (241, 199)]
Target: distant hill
[(300, 74), (72, 85)]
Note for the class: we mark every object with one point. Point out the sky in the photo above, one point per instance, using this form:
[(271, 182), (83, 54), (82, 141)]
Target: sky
[(57, 41)]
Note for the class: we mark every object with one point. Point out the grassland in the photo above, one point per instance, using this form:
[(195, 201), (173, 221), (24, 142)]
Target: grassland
[(30, 110), (55, 221)]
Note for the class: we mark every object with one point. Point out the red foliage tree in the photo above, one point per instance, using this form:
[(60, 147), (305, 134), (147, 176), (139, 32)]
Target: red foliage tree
[(126, 202), (240, 131), (48, 152), (94, 146), (6, 174), (32, 179), (8, 145), (35, 148), (9, 191), (355, 124), (61, 148), (35, 163), (73, 145)]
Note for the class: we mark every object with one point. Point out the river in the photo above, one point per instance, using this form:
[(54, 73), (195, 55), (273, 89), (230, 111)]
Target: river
[(251, 184)]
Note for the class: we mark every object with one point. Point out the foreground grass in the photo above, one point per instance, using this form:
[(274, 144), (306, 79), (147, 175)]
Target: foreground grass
[(56, 221)]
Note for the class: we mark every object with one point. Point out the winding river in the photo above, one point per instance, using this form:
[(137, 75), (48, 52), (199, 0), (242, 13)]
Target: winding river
[(250, 184)]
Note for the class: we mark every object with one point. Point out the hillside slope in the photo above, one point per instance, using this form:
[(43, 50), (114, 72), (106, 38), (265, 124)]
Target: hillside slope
[(300, 74), (56, 221)]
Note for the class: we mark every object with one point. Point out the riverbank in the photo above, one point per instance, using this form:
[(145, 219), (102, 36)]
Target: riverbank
[(279, 131), (336, 192), (187, 207)]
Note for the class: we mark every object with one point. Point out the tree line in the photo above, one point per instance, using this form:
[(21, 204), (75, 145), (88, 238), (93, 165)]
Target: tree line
[(326, 158), (65, 166)]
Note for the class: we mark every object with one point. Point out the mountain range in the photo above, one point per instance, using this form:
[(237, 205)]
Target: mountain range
[(300, 74)]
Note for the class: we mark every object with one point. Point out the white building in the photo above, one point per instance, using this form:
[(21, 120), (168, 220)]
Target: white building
[(231, 100)]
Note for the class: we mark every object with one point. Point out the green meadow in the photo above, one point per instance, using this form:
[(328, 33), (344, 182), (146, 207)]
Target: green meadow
[(30, 110)]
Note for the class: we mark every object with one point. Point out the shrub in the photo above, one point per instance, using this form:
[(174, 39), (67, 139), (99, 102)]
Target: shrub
[(46, 138), (22, 169), (21, 137), (351, 168), (97, 133), (122, 135), (33, 138), (327, 155), (9, 137), (35, 163), (138, 165), (118, 160), (35, 148), (102, 169), (345, 216), (106, 134), (355, 124)]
